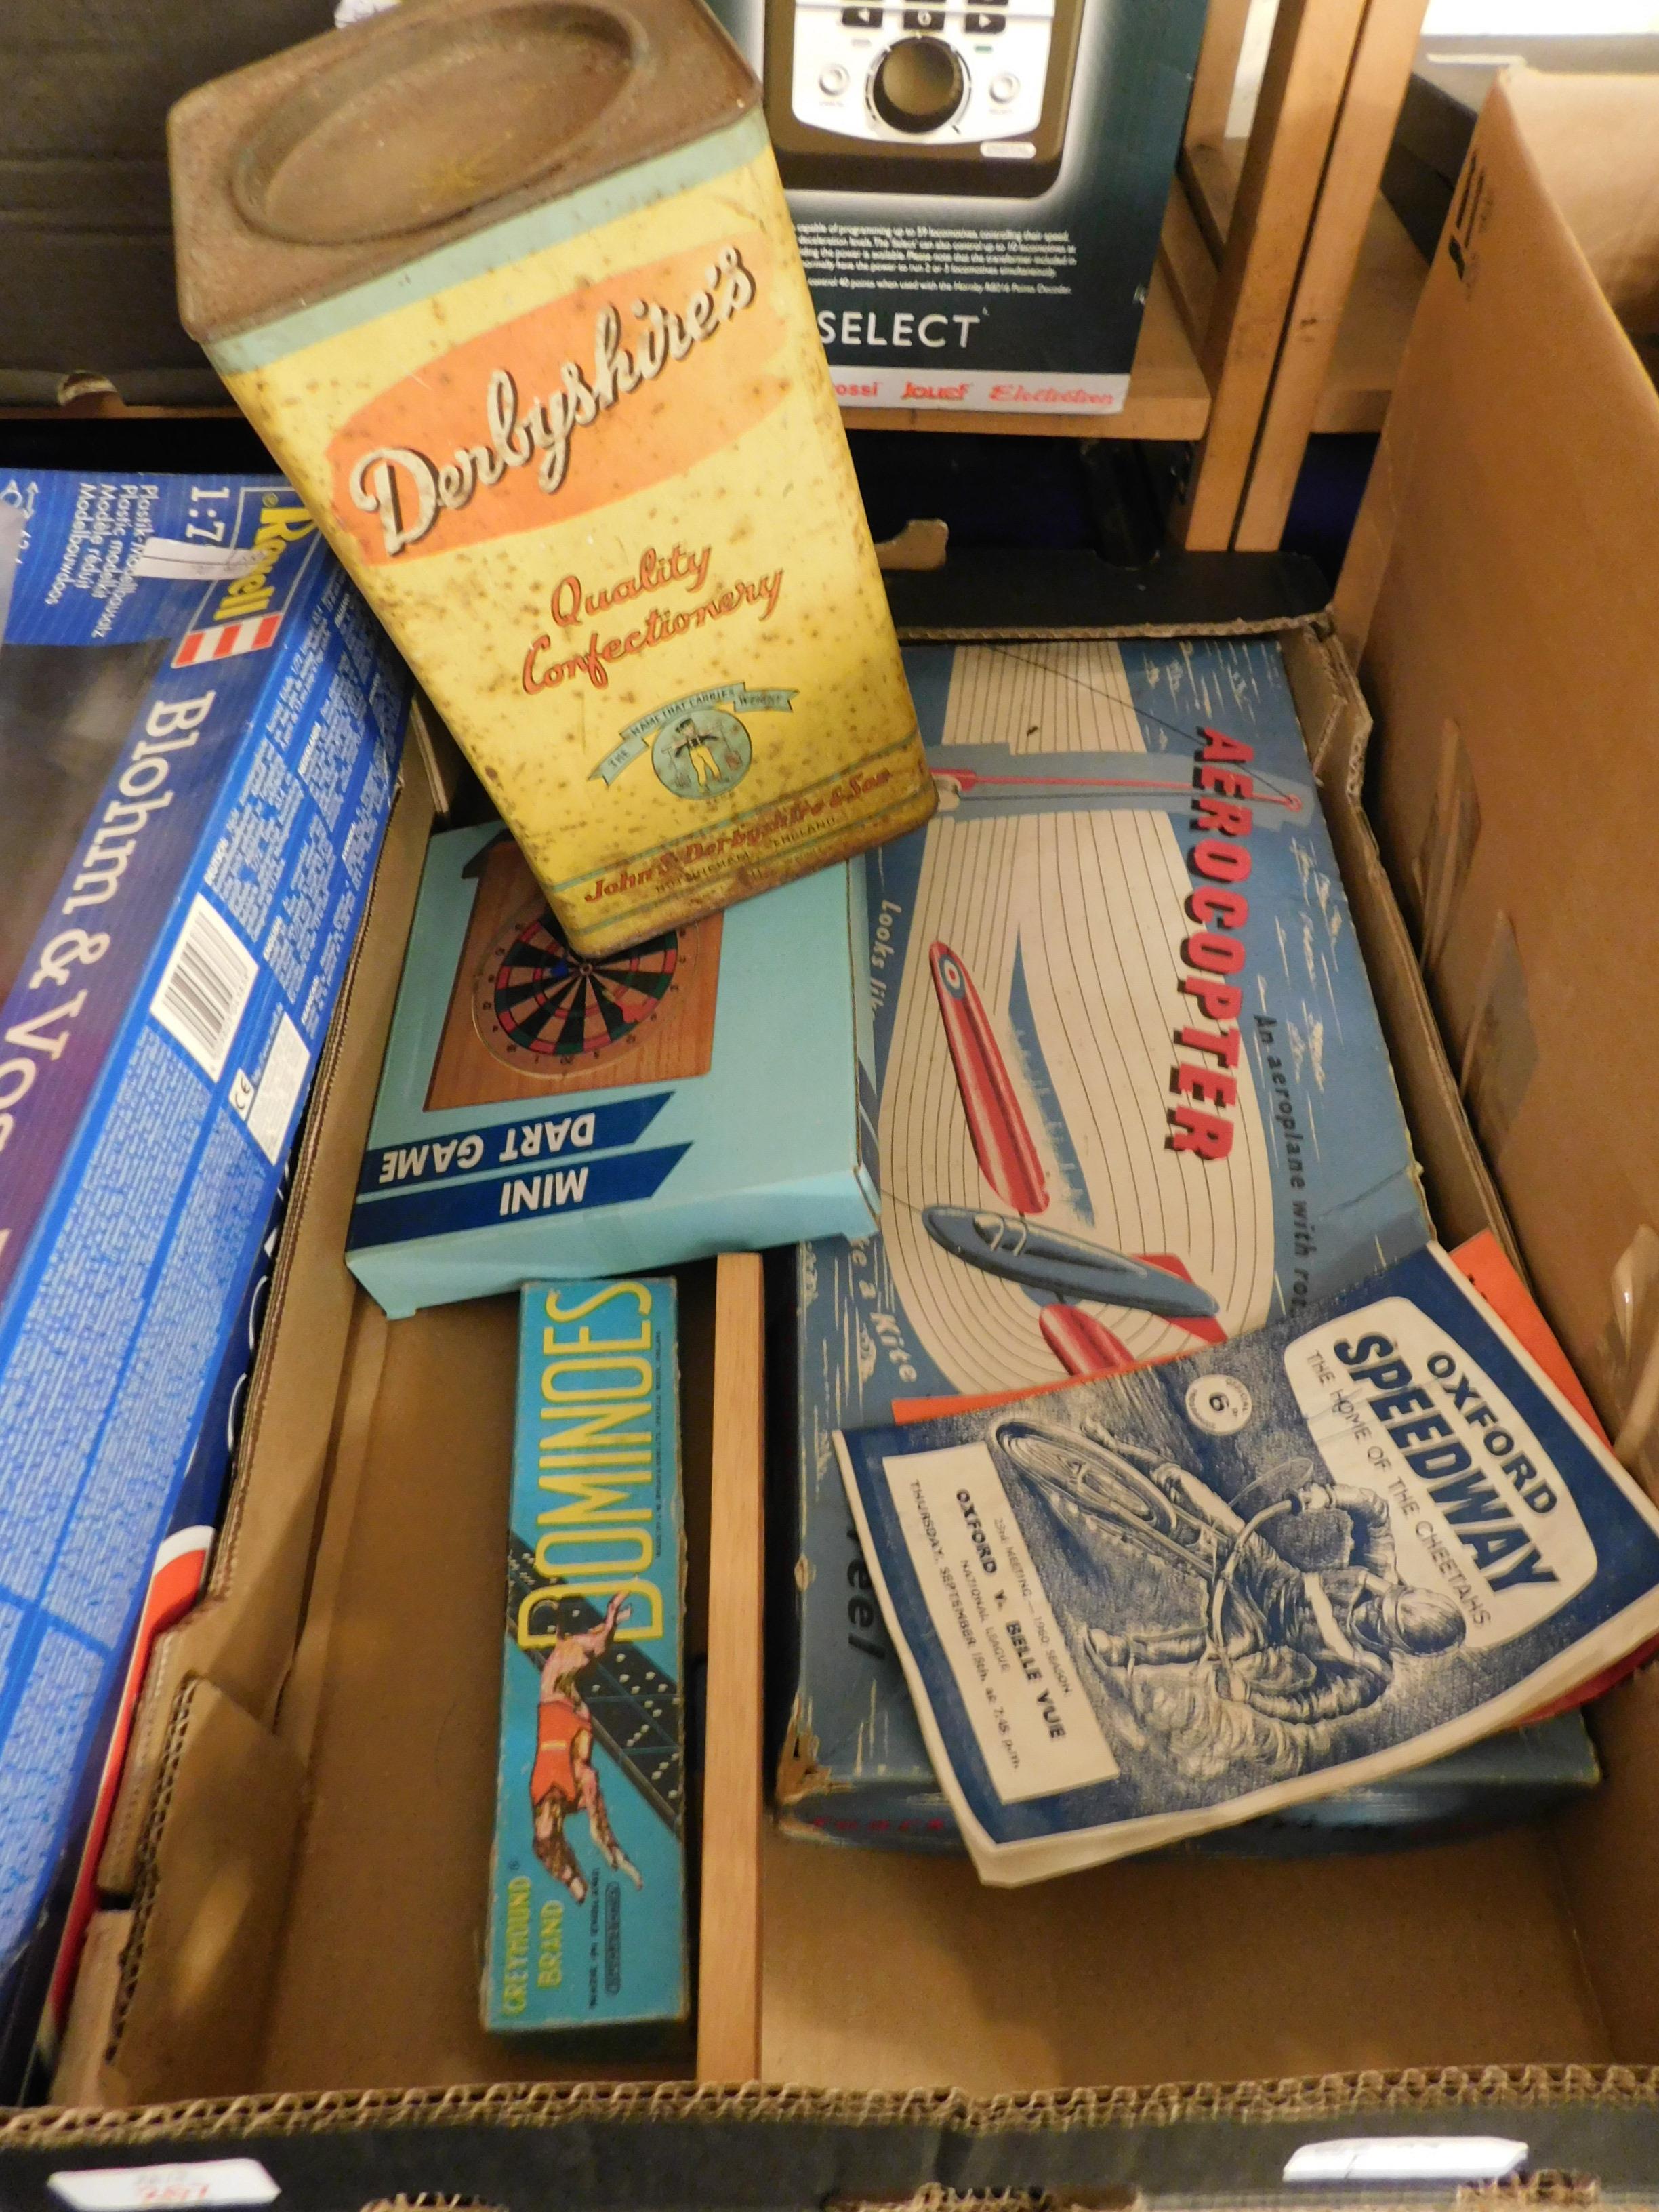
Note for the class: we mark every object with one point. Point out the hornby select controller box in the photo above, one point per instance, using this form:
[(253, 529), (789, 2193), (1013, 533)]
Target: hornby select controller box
[(977, 189)]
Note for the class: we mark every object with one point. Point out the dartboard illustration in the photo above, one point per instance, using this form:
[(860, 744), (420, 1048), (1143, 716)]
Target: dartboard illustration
[(547, 1011)]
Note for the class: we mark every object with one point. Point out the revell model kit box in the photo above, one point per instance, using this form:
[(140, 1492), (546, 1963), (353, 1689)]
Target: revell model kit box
[(1132, 1096), (32, 2027), (588, 1907), (200, 727), (546, 1114), (977, 189)]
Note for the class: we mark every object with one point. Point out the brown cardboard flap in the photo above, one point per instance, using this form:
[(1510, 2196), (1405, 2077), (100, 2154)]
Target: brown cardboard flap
[(207, 1909), (1502, 592), (1610, 1873), (1592, 141), (241, 1634), (78, 2076), (402, 1658), (1458, 1186)]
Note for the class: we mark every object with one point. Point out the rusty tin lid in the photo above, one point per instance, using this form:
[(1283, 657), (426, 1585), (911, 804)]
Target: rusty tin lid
[(359, 151)]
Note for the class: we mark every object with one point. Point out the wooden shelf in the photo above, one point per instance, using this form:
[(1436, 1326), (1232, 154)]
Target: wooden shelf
[(1168, 395), (1377, 317), (1376, 324), (1211, 176)]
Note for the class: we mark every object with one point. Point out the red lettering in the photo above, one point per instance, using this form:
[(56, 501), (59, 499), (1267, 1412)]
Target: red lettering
[(1228, 910), (568, 597), (1218, 746), (1216, 955), (1205, 1082), (1221, 862), (1221, 815), (1194, 1131), (1224, 1043), (1227, 781), (532, 681), (1222, 1002)]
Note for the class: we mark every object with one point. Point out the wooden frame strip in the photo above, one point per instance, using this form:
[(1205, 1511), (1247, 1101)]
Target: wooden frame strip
[(1371, 108)]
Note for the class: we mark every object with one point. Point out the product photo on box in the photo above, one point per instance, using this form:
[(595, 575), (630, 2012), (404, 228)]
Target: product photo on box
[(977, 191)]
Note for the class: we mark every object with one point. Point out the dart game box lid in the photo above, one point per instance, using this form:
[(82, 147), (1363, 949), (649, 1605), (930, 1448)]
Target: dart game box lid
[(1134, 1096), (544, 1114)]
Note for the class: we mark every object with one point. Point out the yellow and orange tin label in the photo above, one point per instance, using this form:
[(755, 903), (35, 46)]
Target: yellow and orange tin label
[(586, 465)]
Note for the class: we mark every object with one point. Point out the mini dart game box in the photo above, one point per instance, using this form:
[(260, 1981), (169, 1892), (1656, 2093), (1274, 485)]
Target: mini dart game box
[(1121, 1017), (542, 1114)]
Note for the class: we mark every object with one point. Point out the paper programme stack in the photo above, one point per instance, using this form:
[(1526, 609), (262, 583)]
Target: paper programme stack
[(1152, 1606)]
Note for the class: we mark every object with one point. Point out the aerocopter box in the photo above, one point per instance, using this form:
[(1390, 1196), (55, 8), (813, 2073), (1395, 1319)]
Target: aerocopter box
[(977, 189), (1134, 1096)]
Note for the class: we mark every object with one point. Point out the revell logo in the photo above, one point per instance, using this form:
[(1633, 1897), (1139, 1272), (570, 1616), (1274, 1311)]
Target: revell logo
[(279, 527), (246, 615)]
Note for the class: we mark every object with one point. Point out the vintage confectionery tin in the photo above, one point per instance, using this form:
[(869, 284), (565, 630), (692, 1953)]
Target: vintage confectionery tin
[(512, 292)]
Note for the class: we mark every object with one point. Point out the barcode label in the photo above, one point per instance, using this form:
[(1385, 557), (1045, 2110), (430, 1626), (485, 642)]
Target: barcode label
[(205, 988)]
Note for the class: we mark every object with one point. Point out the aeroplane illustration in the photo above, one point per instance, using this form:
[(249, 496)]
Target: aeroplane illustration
[(1053, 1267), (1067, 1267)]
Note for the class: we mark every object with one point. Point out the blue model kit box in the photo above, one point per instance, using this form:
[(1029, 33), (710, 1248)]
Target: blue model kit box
[(43, 1983), (1133, 1098), (542, 1113), (200, 727), (587, 1909)]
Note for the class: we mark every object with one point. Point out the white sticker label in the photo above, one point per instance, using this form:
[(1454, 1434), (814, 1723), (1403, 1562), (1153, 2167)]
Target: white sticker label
[(272, 1109), (127, 2188), (179, 560), (1406, 2158), (1031, 1714), (1477, 1509)]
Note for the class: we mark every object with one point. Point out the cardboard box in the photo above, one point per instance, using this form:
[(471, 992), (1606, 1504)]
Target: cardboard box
[(977, 193), (1064, 897), (587, 1919), (1450, 80), (1497, 1990)]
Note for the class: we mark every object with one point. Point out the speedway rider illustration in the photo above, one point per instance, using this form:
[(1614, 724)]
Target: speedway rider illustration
[(1298, 1645)]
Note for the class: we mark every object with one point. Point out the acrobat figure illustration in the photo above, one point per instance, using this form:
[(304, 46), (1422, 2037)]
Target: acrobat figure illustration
[(1296, 1645), (564, 1779)]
